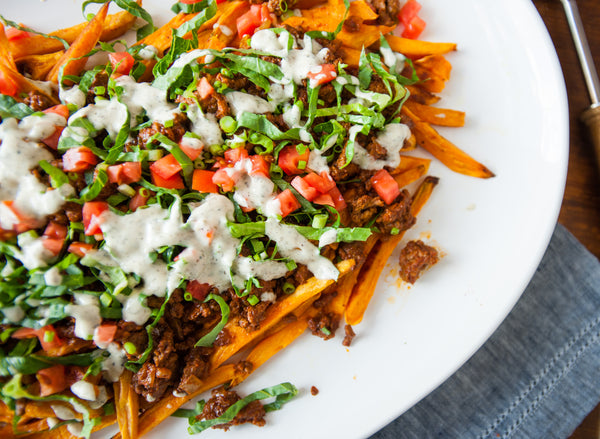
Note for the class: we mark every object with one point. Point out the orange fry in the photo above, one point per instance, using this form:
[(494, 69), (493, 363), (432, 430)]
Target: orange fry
[(364, 37), (417, 49), (444, 150), (436, 65), (127, 406), (407, 177), (375, 262), (115, 25), (74, 59), (324, 17), (437, 116), (37, 66)]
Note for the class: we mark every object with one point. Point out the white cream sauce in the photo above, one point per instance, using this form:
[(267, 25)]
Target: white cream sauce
[(291, 244), (392, 138)]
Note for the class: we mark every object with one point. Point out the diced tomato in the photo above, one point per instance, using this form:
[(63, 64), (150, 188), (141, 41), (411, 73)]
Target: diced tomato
[(79, 159), (338, 199), (52, 140), (92, 216), (204, 88), (321, 75), (234, 155), (323, 182), (191, 152), (198, 290), (248, 22), (141, 197), (223, 179), (47, 336), (53, 245), (61, 110), (125, 173), (409, 11), (174, 182), (324, 199), (166, 167), (105, 333), (385, 186), (14, 34), (291, 161), (260, 166), (122, 62), (8, 86), (189, 2), (52, 380), (304, 189), (79, 248), (55, 230), (20, 223), (202, 181), (288, 202), (414, 28)]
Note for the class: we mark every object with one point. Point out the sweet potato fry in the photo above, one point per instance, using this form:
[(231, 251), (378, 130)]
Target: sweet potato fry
[(375, 262), (126, 402), (38, 66), (225, 27), (350, 56), (115, 25), (437, 116), (444, 150), (411, 175), (360, 11), (422, 96), (365, 37), (74, 59), (437, 65), (324, 17), (409, 162), (416, 48)]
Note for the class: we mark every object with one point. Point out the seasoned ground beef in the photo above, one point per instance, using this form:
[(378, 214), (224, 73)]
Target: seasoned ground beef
[(415, 258), (195, 366), (37, 101), (348, 335), (174, 132), (397, 216), (324, 325), (222, 399), (387, 11)]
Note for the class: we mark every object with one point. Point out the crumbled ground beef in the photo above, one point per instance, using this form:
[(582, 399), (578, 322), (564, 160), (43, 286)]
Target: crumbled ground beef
[(348, 335), (222, 399), (37, 101), (324, 325), (415, 258), (387, 11)]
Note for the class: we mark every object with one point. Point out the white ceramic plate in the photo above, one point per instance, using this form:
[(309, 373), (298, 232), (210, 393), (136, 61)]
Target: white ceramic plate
[(493, 233)]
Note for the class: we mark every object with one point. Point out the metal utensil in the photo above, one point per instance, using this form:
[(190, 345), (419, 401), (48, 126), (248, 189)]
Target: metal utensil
[(591, 116)]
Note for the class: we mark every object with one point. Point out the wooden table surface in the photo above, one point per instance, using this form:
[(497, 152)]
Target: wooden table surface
[(580, 212)]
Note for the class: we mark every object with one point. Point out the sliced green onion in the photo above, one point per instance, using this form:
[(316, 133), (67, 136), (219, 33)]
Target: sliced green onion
[(319, 221), (253, 300), (288, 288), (228, 124), (125, 189), (325, 331), (130, 348)]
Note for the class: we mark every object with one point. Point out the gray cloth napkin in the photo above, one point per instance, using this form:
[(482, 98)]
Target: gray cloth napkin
[(538, 376)]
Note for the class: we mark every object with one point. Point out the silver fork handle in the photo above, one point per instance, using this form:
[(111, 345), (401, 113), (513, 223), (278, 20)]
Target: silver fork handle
[(583, 51)]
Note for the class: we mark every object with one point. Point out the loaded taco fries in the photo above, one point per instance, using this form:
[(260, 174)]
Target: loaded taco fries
[(216, 188)]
